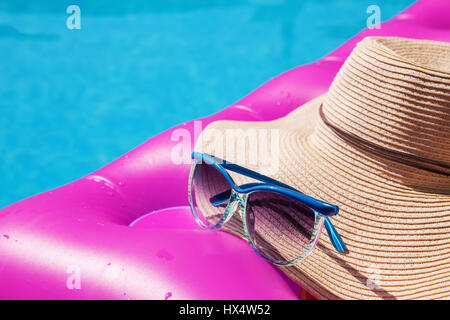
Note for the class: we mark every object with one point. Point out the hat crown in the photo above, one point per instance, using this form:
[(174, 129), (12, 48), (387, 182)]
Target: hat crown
[(394, 93)]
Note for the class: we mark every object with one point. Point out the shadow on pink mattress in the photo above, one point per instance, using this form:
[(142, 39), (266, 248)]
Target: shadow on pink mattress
[(115, 234)]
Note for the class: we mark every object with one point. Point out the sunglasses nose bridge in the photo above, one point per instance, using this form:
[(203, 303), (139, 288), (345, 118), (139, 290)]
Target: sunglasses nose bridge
[(234, 204), (243, 202)]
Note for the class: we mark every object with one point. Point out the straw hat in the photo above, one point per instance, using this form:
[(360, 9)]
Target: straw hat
[(377, 145)]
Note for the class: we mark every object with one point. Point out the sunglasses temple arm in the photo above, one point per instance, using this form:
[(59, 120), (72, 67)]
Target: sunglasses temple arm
[(255, 175), (323, 207), (220, 198), (223, 197), (334, 236)]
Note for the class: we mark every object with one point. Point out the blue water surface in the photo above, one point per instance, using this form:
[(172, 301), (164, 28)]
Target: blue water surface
[(72, 101)]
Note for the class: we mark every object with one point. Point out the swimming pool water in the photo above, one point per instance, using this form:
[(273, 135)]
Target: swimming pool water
[(71, 101)]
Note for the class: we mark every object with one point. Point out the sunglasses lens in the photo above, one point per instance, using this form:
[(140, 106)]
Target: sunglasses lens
[(280, 227), (210, 193)]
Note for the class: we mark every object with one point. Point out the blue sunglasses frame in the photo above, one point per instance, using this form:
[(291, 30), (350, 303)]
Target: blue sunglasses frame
[(322, 209)]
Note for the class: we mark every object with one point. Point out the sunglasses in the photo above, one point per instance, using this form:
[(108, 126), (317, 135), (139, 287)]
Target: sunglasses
[(282, 224)]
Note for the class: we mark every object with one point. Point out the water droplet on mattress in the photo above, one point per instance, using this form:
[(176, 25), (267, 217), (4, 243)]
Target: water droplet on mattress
[(164, 254)]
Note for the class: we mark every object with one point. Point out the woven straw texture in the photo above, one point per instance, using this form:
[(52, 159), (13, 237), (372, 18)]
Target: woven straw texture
[(394, 218)]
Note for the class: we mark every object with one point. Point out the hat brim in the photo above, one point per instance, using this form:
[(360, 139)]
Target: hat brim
[(397, 235)]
